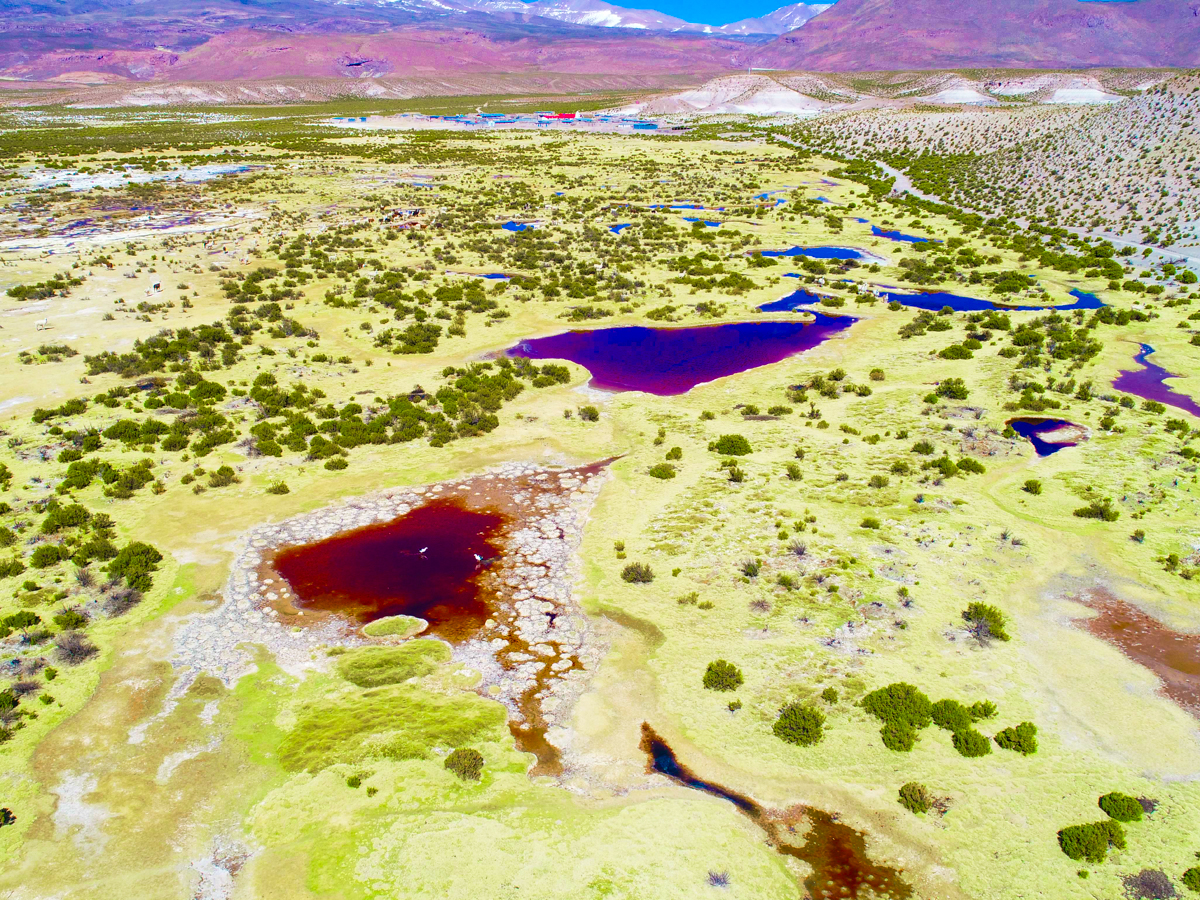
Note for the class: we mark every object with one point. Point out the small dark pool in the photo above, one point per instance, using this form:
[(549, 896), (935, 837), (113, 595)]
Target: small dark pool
[(1150, 383), (425, 564), (1032, 430), (707, 222), (836, 852), (617, 229), (670, 361), (518, 226), (819, 252)]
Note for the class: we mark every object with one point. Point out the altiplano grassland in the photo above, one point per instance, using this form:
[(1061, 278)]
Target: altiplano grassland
[(187, 358)]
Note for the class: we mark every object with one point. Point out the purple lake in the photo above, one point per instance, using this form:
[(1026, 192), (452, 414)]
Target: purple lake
[(670, 361), (1149, 383)]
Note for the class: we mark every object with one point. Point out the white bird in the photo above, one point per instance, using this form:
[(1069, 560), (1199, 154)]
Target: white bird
[(422, 550), (478, 558)]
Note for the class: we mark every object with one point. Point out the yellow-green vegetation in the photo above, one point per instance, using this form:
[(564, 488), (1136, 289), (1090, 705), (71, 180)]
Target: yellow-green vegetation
[(875, 555)]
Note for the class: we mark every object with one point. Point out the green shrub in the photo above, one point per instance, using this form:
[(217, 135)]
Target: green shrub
[(336, 463), (901, 704), (70, 619), (951, 715), (793, 472), (970, 466), (1032, 486), (1121, 807), (952, 389), (829, 695), (135, 563), (722, 676), (1191, 878), (915, 797), (983, 709), (870, 522), (10, 568), (1021, 738), (637, 573), (898, 736), (466, 763), (223, 477), (1091, 842), (799, 724), (731, 445), (923, 447), (48, 555), (661, 470), (971, 743), (589, 414), (675, 453), (1098, 509), (279, 487), (985, 621)]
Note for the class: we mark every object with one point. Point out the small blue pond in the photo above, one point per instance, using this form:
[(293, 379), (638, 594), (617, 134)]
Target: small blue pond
[(1032, 430), (670, 361), (617, 229), (518, 226), (705, 221), (901, 236), (935, 301), (819, 252), (496, 276)]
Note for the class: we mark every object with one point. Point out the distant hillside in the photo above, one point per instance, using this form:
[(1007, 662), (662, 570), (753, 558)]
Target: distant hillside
[(887, 35)]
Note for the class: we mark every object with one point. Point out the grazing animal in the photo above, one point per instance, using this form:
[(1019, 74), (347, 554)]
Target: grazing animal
[(42, 324)]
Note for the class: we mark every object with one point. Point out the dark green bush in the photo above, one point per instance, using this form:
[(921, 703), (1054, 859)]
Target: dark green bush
[(1121, 807), (70, 619), (799, 724), (971, 743), (661, 470), (1098, 509), (722, 676), (731, 445), (589, 414), (1191, 879), (951, 715), (985, 621), (1091, 842), (983, 709), (47, 555), (898, 736), (1021, 738), (915, 797), (466, 763), (637, 573), (1032, 486), (901, 704), (135, 563)]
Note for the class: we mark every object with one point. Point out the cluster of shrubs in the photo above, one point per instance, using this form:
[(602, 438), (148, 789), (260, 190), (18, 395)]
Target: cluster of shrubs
[(904, 711), (1091, 841)]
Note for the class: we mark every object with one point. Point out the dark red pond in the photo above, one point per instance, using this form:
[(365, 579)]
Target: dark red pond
[(426, 563)]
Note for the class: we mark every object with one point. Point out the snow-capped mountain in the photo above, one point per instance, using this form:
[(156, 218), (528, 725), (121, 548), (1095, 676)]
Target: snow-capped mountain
[(781, 21), (599, 14)]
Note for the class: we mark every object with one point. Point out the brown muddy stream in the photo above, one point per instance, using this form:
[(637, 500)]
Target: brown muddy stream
[(836, 852)]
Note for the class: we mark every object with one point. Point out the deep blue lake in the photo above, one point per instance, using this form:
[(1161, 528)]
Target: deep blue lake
[(1032, 430), (670, 361)]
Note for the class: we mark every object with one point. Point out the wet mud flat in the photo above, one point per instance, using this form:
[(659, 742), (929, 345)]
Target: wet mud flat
[(836, 853), (488, 562), (1173, 656)]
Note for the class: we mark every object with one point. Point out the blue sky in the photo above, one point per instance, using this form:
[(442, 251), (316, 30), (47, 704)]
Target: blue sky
[(709, 12)]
